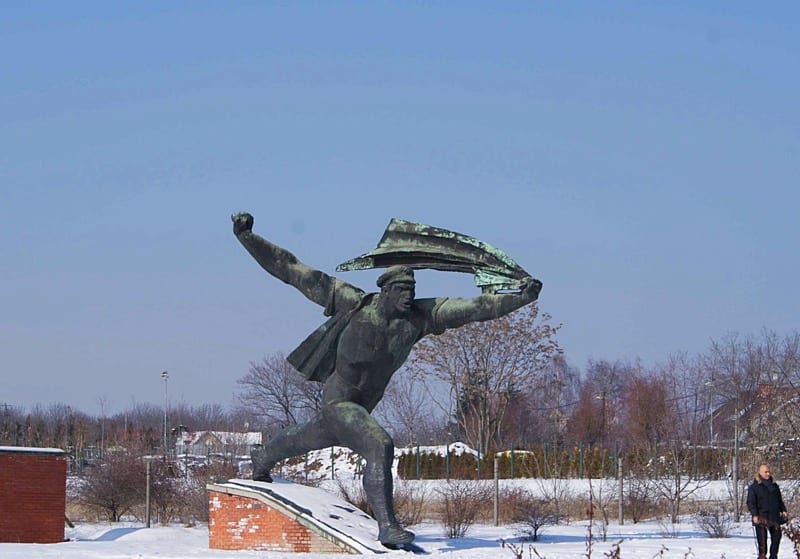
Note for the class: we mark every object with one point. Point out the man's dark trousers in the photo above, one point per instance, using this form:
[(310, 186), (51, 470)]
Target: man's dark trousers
[(774, 539)]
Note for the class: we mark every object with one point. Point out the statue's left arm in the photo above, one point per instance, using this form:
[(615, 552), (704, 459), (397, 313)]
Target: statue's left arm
[(452, 313), (318, 286)]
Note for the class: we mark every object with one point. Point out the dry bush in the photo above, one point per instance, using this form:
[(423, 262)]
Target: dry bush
[(312, 473), (79, 512), (409, 502), (461, 503), (640, 499), (557, 491), (409, 499), (354, 494), (166, 491), (194, 494), (114, 487), (792, 532), (790, 491), (511, 498), (195, 501), (532, 513), (714, 522)]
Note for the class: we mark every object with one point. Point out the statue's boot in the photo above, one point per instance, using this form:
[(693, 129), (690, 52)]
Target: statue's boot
[(393, 535), (262, 464), (378, 487)]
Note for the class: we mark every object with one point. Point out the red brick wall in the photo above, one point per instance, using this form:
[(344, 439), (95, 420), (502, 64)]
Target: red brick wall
[(33, 494), (236, 522)]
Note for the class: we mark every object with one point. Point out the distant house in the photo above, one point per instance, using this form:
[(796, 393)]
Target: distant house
[(774, 416), (766, 416), (216, 443)]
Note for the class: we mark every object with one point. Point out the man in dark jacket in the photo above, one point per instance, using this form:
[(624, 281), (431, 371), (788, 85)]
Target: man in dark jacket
[(766, 506)]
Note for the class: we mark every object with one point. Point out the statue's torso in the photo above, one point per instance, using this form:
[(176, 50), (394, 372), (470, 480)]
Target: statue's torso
[(370, 350)]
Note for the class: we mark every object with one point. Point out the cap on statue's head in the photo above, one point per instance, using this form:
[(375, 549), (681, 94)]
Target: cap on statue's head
[(397, 274)]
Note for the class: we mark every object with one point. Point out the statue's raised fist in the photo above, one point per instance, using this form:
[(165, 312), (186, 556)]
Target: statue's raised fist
[(532, 287), (242, 222)]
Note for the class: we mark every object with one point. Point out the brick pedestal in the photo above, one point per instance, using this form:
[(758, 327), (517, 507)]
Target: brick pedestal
[(242, 517)]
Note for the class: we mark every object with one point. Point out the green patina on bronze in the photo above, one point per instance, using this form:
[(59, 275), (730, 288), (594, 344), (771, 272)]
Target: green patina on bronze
[(422, 246)]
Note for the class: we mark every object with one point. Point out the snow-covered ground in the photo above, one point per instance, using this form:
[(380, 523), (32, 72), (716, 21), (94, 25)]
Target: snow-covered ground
[(646, 540), (639, 541)]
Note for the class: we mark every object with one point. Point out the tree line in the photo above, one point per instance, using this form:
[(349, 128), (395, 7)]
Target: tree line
[(139, 429), (493, 385), (498, 386), (508, 384)]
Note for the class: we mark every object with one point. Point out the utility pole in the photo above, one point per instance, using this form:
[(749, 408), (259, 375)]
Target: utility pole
[(147, 497), (735, 476), (165, 376), (602, 398), (620, 497)]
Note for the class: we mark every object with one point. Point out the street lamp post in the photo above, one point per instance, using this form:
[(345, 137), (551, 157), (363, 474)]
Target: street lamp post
[(165, 376), (602, 398), (735, 466)]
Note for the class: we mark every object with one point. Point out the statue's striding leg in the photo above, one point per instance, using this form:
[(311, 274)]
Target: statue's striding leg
[(355, 428), (291, 441)]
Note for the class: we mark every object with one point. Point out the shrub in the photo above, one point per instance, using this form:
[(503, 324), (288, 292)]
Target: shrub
[(194, 493), (640, 501), (409, 502), (792, 531), (354, 494), (533, 514), (460, 504), (716, 523), (114, 486)]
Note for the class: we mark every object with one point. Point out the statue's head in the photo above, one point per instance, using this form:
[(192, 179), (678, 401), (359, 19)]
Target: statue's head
[(397, 285), (397, 274)]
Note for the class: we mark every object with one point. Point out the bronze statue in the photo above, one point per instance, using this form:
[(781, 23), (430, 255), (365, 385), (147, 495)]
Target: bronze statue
[(356, 352)]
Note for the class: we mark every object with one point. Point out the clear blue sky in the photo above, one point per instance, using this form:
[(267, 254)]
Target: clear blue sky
[(640, 158)]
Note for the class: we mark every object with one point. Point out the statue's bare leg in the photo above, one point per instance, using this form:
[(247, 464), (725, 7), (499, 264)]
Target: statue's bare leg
[(355, 428), (292, 441)]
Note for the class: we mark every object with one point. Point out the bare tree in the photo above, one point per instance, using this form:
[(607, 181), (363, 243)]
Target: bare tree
[(12, 417), (541, 415), (780, 402), (407, 408), (649, 415), (116, 486), (783, 357), (690, 395), (140, 425), (734, 367), (672, 478), (278, 394), (596, 416), (583, 424), (486, 365), (603, 494), (210, 417)]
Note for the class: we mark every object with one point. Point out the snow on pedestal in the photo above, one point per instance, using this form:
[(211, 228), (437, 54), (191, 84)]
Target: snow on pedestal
[(284, 516)]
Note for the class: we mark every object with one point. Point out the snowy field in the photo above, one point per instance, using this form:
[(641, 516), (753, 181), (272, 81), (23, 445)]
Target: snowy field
[(646, 540), (642, 541)]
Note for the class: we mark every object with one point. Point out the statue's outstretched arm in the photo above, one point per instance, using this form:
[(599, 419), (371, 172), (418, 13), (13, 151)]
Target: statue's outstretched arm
[(281, 263), (452, 313)]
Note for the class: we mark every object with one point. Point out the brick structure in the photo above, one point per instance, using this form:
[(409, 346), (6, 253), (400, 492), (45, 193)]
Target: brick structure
[(33, 494), (246, 518)]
